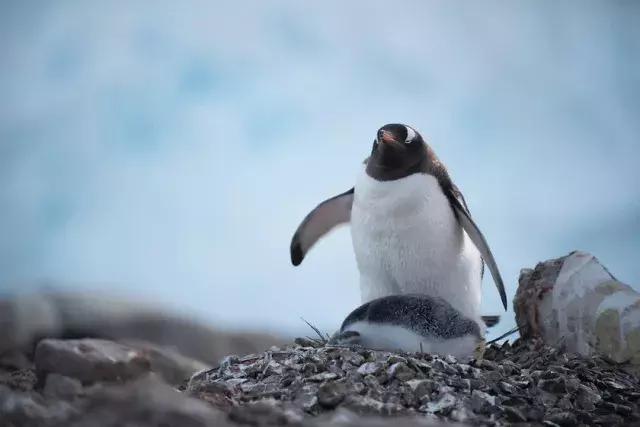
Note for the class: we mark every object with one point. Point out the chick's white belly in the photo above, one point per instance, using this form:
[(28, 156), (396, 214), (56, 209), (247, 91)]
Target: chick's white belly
[(380, 336), (407, 240)]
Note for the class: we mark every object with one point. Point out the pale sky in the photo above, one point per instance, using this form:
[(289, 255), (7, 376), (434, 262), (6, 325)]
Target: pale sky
[(171, 151)]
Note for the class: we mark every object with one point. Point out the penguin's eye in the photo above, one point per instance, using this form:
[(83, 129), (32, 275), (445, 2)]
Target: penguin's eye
[(411, 134)]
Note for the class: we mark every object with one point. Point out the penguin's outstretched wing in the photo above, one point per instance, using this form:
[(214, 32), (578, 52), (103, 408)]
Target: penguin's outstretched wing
[(321, 220), (462, 212)]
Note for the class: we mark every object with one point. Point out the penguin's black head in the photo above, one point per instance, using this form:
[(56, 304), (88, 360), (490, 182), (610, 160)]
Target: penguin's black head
[(398, 151)]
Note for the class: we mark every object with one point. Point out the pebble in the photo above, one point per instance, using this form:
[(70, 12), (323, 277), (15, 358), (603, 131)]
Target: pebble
[(331, 394), (482, 402)]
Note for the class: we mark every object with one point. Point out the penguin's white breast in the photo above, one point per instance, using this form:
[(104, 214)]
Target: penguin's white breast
[(407, 240)]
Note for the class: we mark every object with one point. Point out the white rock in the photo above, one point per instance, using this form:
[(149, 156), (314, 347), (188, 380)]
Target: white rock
[(369, 368), (576, 303)]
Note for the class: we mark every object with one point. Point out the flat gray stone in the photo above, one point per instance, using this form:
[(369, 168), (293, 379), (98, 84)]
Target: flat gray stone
[(167, 362), (90, 360)]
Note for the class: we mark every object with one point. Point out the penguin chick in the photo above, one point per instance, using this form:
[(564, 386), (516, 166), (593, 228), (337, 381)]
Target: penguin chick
[(412, 323)]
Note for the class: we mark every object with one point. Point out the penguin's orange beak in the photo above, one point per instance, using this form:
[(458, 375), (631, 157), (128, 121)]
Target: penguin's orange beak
[(386, 136)]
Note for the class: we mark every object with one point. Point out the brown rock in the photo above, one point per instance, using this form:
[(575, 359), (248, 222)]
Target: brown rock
[(401, 371)]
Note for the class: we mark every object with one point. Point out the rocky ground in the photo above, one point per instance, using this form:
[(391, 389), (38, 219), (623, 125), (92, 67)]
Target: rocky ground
[(91, 382)]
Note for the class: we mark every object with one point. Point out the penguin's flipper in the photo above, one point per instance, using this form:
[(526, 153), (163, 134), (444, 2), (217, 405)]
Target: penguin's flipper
[(478, 239), (321, 220)]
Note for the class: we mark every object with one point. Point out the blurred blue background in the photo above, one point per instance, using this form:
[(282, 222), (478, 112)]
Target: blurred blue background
[(170, 149)]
